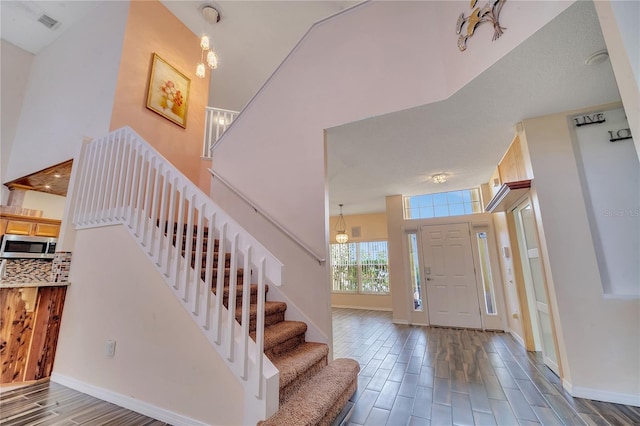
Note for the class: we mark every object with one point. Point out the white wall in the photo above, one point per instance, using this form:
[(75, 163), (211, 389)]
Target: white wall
[(161, 357), (610, 176), (620, 21), (52, 206), (599, 336), (14, 74), (370, 60), (481, 51), (70, 91)]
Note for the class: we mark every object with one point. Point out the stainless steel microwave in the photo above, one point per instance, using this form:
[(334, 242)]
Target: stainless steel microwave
[(27, 247)]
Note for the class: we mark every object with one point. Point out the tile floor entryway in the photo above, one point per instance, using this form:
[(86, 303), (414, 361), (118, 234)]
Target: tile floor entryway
[(410, 376), (413, 375)]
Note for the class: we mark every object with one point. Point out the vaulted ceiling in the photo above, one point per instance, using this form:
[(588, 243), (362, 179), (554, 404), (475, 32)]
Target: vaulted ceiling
[(463, 136)]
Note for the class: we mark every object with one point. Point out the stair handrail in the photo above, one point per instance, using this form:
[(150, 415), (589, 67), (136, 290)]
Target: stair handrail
[(122, 180), (269, 218), (216, 122)]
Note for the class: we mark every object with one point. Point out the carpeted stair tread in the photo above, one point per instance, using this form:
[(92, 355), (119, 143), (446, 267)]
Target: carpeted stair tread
[(270, 308), (295, 362), (316, 401), (240, 289), (281, 332)]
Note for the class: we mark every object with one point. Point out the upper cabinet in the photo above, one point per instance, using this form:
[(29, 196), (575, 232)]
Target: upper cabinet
[(511, 168), (28, 225), (510, 180)]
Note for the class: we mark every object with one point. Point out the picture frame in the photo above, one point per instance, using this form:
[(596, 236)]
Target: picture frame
[(168, 91)]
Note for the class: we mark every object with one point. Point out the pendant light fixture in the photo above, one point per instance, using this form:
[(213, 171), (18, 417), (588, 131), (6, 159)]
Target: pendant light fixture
[(341, 233), (212, 16)]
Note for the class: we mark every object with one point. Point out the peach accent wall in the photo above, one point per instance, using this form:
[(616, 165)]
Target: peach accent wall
[(151, 27), (373, 227)]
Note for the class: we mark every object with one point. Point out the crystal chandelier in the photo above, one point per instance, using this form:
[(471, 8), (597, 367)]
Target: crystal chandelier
[(211, 15), (341, 233), (439, 178)]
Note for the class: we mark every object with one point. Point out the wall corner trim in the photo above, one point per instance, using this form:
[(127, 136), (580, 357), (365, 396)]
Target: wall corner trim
[(125, 401)]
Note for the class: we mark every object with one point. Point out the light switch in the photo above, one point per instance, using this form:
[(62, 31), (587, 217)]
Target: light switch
[(506, 252), (110, 348)]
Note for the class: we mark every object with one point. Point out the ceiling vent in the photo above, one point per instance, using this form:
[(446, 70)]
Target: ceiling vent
[(48, 22)]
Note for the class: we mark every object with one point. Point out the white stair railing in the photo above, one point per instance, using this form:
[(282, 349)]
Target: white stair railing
[(122, 180), (216, 122)]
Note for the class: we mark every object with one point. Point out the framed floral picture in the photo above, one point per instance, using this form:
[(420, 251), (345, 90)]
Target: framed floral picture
[(168, 93)]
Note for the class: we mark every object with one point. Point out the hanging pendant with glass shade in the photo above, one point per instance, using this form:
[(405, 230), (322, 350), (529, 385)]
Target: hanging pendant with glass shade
[(341, 233), (212, 60), (211, 15)]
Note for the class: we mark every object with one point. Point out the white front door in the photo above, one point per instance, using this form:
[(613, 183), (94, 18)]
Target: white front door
[(452, 296)]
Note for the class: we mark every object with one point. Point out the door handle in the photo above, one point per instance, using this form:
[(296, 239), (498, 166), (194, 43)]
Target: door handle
[(427, 271)]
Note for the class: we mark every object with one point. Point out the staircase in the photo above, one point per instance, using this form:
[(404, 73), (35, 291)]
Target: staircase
[(312, 391), (121, 179)]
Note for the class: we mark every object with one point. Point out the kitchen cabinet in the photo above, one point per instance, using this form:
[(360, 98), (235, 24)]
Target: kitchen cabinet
[(512, 168), (29, 225), (29, 331)]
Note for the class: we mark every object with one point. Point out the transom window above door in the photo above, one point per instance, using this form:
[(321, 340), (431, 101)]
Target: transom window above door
[(443, 204)]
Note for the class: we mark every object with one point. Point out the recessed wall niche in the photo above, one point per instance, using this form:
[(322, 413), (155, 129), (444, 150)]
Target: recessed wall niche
[(610, 178)]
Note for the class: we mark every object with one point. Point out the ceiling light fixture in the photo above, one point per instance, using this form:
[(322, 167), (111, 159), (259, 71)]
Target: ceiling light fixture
[(341, 226), (212, 16), (439, 178)]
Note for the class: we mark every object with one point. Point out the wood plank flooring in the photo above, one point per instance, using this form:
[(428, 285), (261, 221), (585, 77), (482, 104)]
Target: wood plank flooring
[(409, 376), (414, 375), (49, 403)]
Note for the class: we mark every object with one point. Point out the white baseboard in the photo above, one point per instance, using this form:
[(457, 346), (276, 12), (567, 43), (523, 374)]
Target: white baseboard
[(606, 396), (567, 386), (126, 402), (366, 308), (518, 338)]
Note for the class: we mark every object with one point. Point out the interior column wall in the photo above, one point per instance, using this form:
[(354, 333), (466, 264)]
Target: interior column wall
[(599, 336)]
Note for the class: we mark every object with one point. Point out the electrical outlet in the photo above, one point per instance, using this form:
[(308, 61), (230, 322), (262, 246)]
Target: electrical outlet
[(110, 348)]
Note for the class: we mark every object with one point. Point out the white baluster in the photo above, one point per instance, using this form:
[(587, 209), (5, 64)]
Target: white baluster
[(117, 180), (231, 312), (179, 238), (208, 276), (246, 307), (144, 167), (197, 264), (217, 313), (260, 327), (146, 207), (138, 163), (171, 221), (128, 178), (188, 249), (163, 221)]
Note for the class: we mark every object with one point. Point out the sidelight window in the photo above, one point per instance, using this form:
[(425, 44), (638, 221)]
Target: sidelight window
[(487, 278)]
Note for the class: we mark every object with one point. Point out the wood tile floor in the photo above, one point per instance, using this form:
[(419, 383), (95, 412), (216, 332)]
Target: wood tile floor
[(52, 404), (410, 376), (414, 375)]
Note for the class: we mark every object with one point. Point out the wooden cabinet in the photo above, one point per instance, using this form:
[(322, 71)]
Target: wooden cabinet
[(28, 225), (29, 334), (511, 168)]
